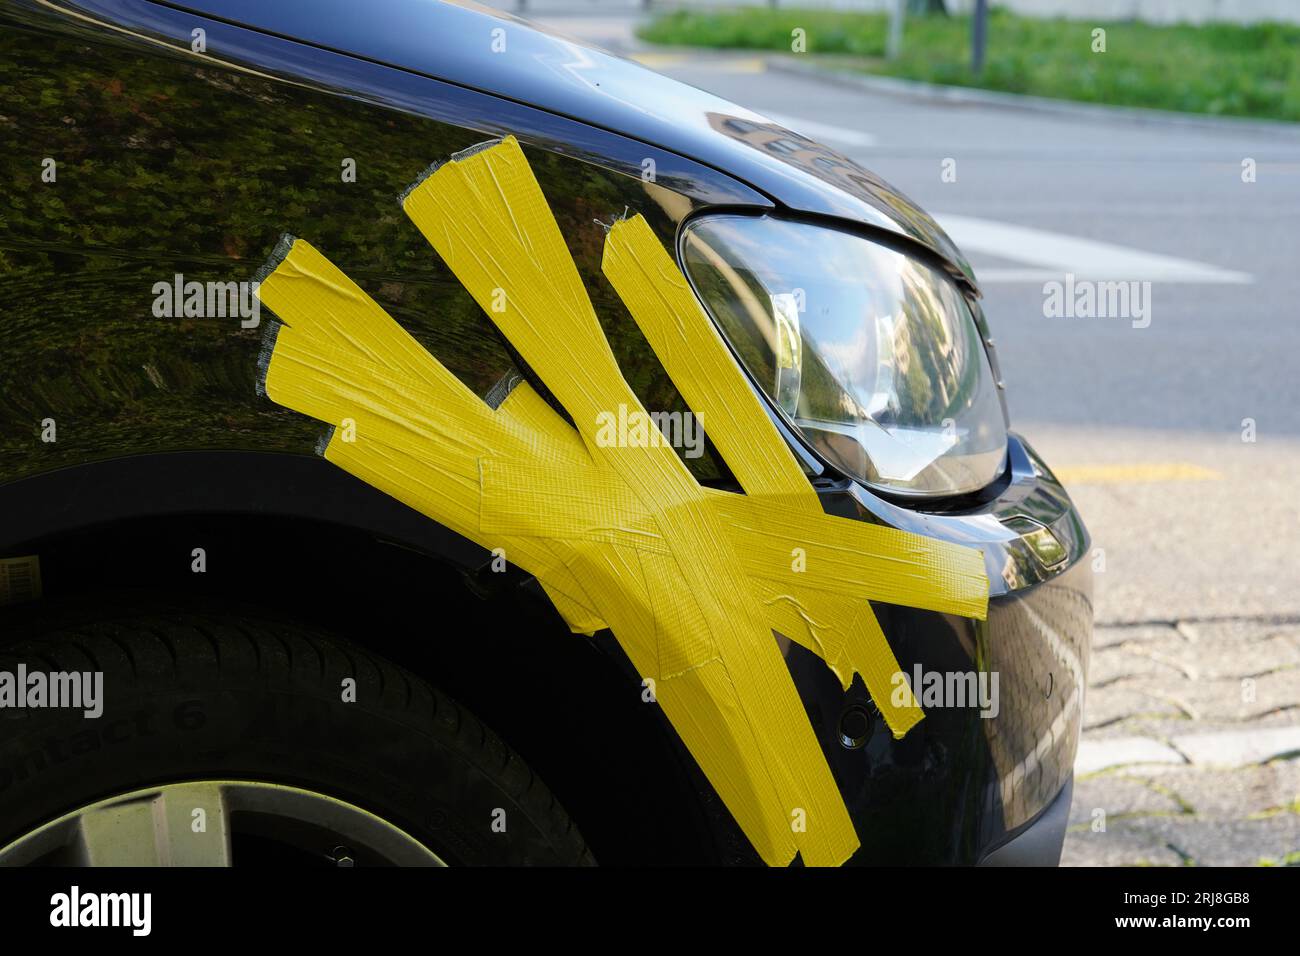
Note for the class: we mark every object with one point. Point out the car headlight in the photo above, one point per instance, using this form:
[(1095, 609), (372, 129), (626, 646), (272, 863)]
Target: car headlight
[(873, 355)]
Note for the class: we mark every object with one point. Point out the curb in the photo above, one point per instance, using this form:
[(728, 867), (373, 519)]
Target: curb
[(1067, 109)]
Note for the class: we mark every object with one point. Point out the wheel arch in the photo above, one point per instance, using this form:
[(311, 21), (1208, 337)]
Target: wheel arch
[(291, 535)]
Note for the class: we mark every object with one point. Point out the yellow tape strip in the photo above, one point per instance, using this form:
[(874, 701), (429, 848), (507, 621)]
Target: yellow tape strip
[(691, 581), (701, 366), (780, 511), (488, 220), (323, 366)]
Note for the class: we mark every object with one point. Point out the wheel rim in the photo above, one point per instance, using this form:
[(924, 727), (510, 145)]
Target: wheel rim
[(205, 823)]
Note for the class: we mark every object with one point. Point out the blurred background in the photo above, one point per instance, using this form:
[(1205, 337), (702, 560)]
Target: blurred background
[(1141, 141)]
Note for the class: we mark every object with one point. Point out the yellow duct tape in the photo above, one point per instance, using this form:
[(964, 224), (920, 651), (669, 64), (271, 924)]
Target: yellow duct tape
[(691, 581)]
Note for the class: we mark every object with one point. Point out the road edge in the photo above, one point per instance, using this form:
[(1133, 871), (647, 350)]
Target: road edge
[(1066, 109)]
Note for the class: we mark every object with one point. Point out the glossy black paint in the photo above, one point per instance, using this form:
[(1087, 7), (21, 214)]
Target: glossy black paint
[(486, 49), (171, 162)]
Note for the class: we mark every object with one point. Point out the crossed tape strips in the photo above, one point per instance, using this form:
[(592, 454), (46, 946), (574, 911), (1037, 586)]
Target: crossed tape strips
[(692, 581)]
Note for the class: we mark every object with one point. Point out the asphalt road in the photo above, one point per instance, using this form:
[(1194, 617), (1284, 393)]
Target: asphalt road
[(1193, 715)]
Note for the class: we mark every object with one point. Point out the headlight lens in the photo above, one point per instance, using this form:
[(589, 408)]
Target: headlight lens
[(874, 356)]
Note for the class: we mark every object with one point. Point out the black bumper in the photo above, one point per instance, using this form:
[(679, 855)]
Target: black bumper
[(971, 783), (1038, 843)]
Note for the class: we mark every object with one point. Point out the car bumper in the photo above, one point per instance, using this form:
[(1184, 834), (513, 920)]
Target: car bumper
[(1038, 843), (986, 778)]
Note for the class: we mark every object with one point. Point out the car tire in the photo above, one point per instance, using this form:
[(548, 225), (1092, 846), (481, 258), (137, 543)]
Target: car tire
[(202, 695)]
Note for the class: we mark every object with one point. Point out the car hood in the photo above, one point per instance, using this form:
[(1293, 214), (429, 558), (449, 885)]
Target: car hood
[(484, 49)]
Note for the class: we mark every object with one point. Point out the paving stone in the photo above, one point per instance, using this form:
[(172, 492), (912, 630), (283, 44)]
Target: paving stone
[(1247, 746), (1248, 630), (1097, 755), (1190, 732), (1118, 846), (1166, 729), (1109, 635), (1120, 794), (1211, 700), (1133, 707), (1212, 842), (1115, 664), (1106, 707), (1243, 793), (1183, 840), (1222, 651)]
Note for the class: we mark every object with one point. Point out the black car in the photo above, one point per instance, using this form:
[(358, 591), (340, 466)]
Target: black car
[(276, 662)]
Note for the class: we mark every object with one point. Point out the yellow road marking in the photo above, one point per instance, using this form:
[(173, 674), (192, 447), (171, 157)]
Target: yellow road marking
[(657, 61), (1135, 473)]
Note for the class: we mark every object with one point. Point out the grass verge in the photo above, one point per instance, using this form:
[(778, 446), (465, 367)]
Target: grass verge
[(1219, 69)]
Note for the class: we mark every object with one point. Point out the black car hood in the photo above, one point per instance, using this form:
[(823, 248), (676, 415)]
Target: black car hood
[(484, 49)]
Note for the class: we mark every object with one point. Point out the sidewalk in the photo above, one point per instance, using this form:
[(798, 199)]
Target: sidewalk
[(1190, 736)]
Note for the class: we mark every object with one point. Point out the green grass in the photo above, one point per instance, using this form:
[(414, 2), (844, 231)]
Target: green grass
[(1219, 69), (1290, 859)]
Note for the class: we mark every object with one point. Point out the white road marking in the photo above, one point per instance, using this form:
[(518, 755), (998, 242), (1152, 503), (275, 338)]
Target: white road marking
[(1056, 254), (834, 134)]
